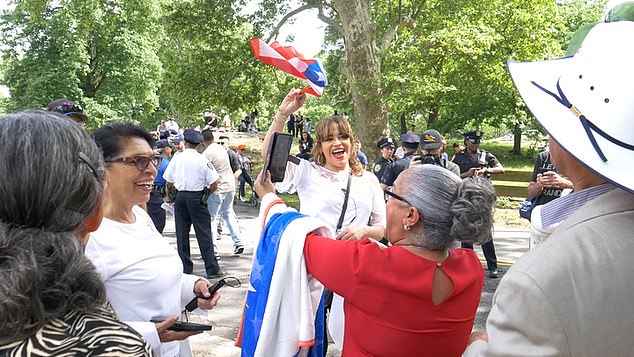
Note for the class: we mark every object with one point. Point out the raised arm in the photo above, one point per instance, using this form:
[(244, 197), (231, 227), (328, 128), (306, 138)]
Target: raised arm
[(291, 103)]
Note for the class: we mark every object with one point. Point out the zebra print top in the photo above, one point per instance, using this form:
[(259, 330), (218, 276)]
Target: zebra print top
[(82, 334)]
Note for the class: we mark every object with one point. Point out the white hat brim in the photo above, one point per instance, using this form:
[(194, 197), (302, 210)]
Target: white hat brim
[(564, 126)]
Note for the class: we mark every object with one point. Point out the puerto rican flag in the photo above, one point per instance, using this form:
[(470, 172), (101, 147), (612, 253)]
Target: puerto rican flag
[(292, 62)]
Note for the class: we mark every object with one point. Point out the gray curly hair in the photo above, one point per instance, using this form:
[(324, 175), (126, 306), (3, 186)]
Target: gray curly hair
[(452, 209), (52, 175)]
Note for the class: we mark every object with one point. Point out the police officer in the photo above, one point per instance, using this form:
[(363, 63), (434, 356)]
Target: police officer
[(474, 161), (154, 209), (410, 145), (191, 173), (431, 146), (387, 146)]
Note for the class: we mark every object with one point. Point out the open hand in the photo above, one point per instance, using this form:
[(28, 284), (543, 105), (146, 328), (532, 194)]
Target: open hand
[(352, 233), (292, 102)]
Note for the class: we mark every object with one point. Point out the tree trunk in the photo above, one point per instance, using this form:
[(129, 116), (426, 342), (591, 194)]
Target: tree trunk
[(361, 65), (403, 124), (433, 116), (517, 138)]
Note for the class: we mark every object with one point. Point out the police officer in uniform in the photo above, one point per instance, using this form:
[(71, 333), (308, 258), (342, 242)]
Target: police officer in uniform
[(387, 146), (191, 173), (474, 161), (154, 209), (410, 145)]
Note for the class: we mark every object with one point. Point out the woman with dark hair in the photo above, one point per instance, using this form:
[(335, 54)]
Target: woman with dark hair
[(333, 180), (305, 146), (143, 274), (418, 296), (52, 301)]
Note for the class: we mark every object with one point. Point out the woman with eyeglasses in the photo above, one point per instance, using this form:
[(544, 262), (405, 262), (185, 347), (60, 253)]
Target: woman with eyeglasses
[(143, 274), (52, 301), (322, 186), (419, 296)]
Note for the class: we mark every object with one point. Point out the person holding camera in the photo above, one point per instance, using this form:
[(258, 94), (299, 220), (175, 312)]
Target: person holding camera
[(546, 183), (473, 162), (431, 144)]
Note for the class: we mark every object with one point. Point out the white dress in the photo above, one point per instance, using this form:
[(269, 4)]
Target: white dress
[(143, 276), (321, 194)]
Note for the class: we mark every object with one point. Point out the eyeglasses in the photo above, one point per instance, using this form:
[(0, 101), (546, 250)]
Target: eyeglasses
[(388, 194), (140, 161)]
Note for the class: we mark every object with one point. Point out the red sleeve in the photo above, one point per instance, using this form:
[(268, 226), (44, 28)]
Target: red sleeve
[(334, 263)]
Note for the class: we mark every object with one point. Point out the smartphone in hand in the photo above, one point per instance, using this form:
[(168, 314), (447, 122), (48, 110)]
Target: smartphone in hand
[(185, 326), (277, 156)]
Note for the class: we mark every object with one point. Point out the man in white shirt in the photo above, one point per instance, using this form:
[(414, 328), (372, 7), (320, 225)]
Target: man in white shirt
[(220, 202), (190, 173)]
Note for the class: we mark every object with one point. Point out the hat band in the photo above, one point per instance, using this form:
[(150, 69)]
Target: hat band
[(588, 126)]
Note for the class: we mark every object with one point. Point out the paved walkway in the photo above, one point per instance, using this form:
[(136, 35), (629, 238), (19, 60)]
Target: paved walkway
[(509, 245)]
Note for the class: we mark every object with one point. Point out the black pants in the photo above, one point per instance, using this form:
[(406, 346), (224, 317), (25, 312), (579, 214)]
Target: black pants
[(489, 253), (155, 211), (188, 210)]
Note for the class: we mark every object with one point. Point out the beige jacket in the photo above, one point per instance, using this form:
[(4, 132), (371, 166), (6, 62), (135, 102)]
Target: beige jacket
[(573, 295)]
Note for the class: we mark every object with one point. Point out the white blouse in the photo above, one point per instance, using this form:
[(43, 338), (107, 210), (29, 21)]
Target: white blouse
[(143, 275), (321, 194)]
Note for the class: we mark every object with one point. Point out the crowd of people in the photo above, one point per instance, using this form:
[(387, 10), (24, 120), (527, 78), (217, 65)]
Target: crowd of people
[(85, 270)]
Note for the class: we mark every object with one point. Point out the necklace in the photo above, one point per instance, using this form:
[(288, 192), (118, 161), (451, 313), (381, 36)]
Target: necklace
[(408, 245), (428, 258)]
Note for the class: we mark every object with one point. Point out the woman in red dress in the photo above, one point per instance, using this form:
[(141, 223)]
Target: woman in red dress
[(419, 295)]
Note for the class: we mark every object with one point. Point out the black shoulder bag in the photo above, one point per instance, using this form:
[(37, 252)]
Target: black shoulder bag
[(345, 205)]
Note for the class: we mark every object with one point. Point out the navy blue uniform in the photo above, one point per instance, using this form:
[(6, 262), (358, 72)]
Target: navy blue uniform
[(380, 167), (395, 169), (480, 160)]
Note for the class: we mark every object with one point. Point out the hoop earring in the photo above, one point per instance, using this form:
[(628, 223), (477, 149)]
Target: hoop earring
[(406, 227), (320, 159)]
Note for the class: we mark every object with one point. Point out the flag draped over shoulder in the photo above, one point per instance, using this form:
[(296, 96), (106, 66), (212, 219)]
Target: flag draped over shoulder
[(292, 62), (284, 311)]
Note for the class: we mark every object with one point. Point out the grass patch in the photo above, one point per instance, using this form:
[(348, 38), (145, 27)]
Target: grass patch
[(291, 200), (504, 153)]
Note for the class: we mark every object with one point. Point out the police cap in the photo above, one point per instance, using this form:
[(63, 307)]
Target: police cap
[(193, 136), (475, 136), (161, 144), (410, 140), (386, 142)]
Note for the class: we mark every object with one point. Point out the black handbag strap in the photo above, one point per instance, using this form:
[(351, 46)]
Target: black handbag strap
[(345, 204)]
